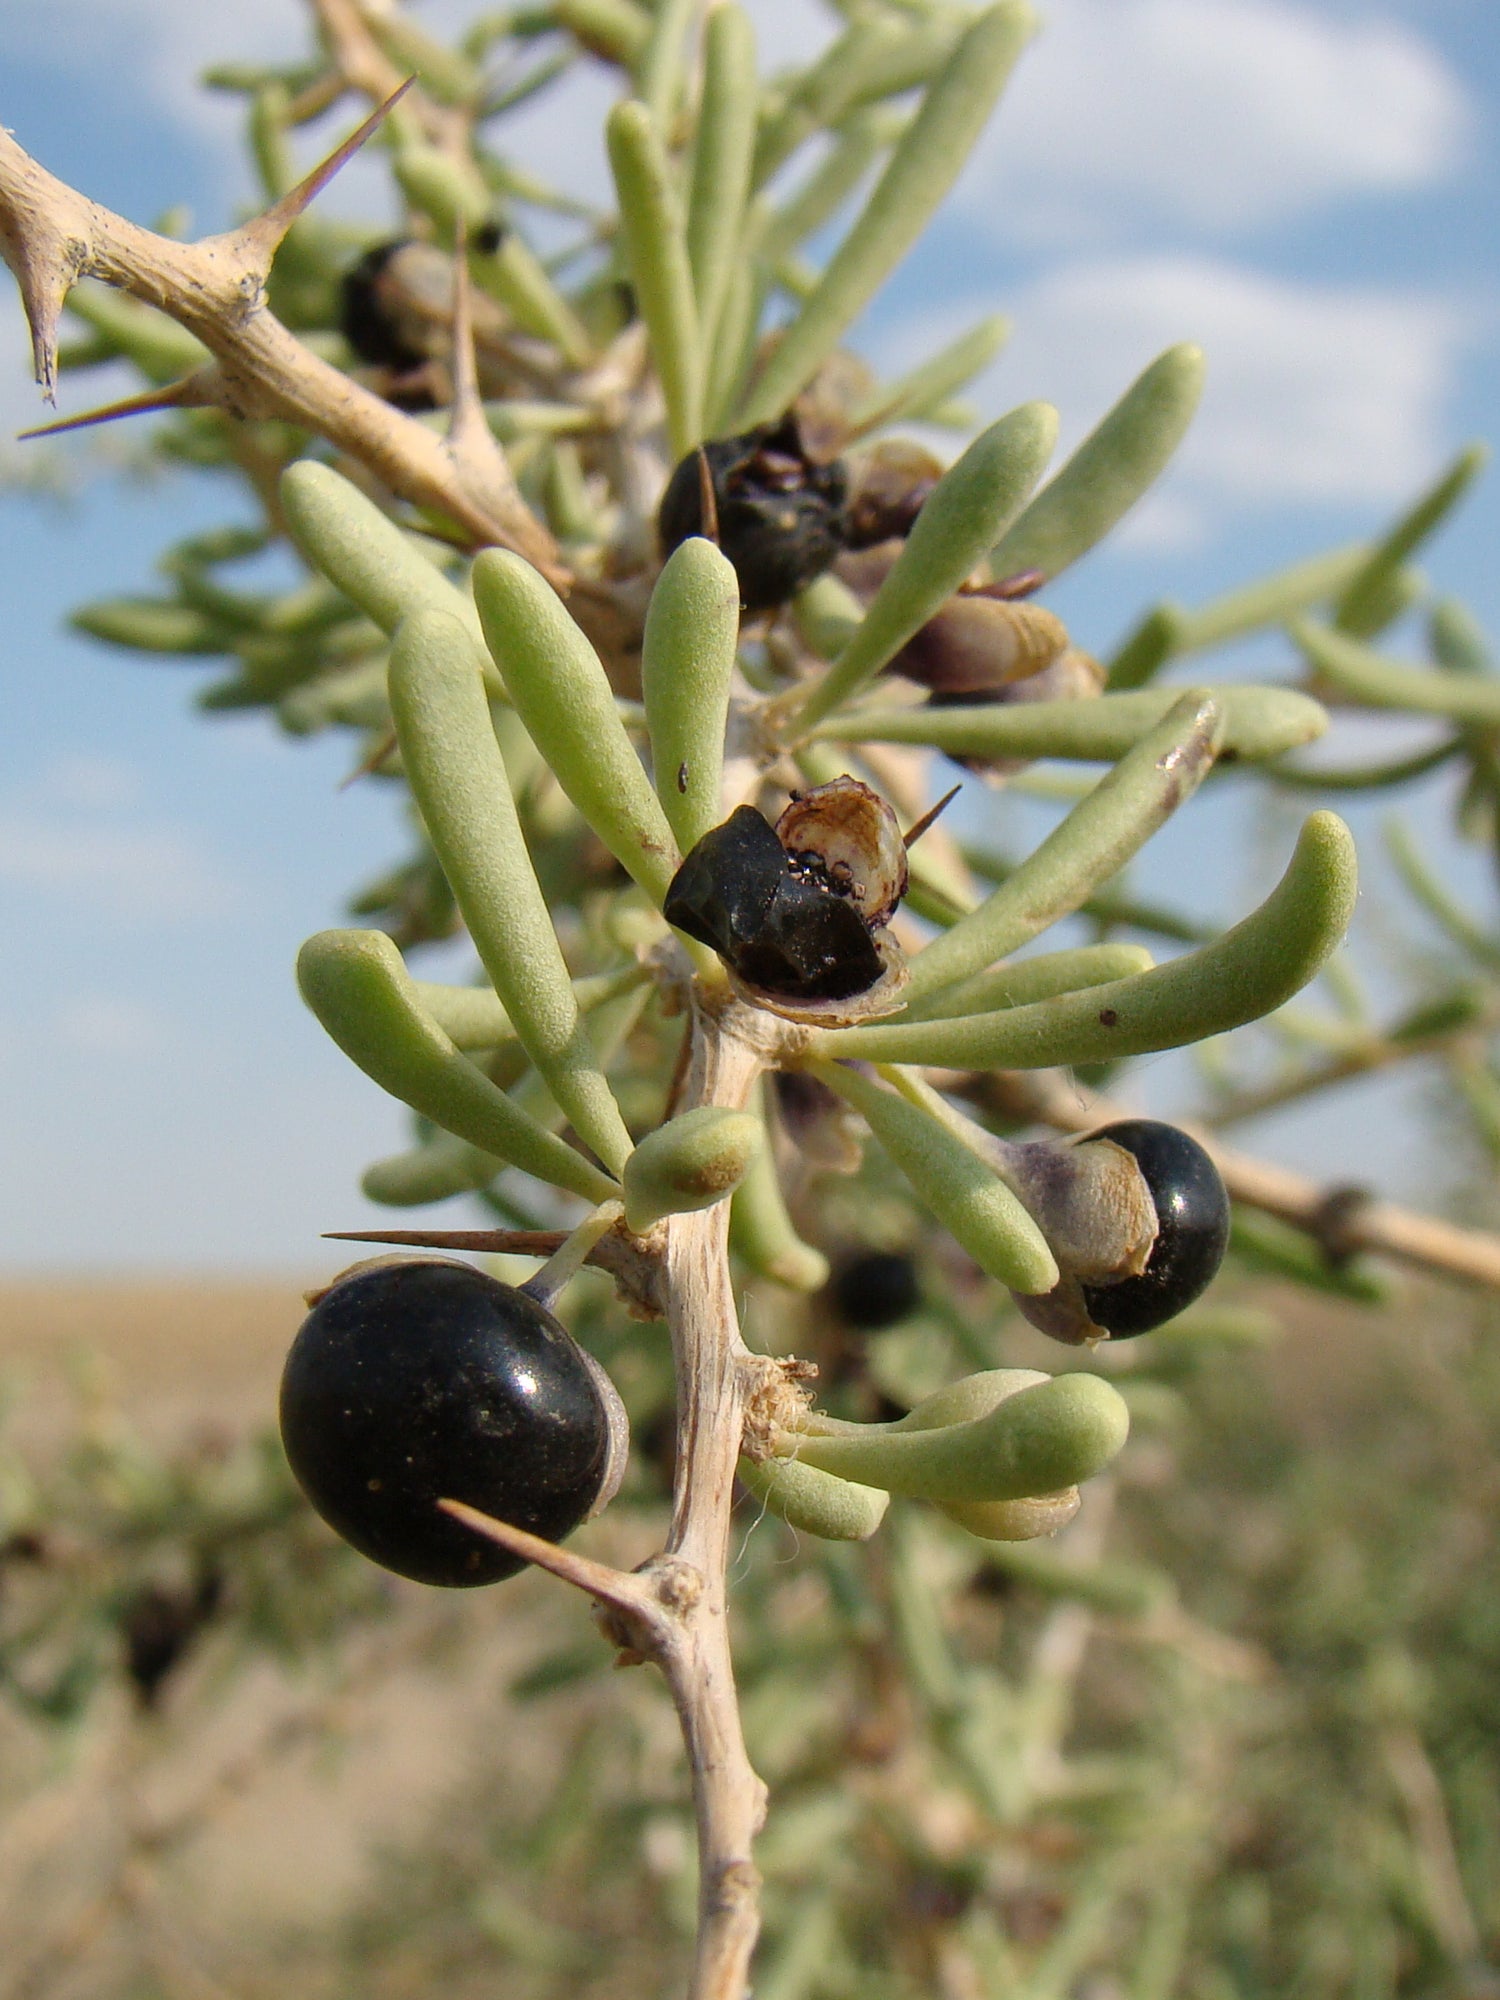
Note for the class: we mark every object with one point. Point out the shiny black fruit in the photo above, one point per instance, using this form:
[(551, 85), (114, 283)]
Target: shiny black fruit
[(420, 1380), (780, 514), (1192, 1214), (876, 1289), (370, 315)]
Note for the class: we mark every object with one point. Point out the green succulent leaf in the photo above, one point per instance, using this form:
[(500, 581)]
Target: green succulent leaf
[(923, 167), (1092, 845), (723, 152), (457, 775), (1364, 606), (1248, 972), (1020, 981), (913, 396), (1368, 677), (653, 234), (1041, 1437), (358, 986), (976, 1207), (1116, 464), (1258, 722), (954, 531), (563, 696), (817, 1503), (761, 1232), (363, 551), (693, 1161), (687, 663)]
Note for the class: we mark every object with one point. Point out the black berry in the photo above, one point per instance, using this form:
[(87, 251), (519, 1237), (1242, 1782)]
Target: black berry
[(875, 1289), (368, 315), (1192, 1214), (415, 1381), (780, 513)]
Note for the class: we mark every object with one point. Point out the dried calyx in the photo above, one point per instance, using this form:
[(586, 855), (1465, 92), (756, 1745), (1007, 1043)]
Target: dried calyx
[(1138, 1219), (798, 911)]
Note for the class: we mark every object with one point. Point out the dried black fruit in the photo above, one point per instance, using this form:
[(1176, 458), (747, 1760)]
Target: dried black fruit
[(812, 945), (780, 514), (792, 922), (725, 887), (1192, 1217), (418, 1380)]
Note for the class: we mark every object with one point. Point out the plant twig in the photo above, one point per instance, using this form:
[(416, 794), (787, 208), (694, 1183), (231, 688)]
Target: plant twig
[(673, 1609), (51, 236)]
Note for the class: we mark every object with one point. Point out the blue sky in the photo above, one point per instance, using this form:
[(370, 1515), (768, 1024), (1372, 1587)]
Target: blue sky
[(1307, 187)]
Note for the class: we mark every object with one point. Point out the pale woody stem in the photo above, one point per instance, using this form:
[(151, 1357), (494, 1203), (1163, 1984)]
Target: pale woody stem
[(715, 1371)]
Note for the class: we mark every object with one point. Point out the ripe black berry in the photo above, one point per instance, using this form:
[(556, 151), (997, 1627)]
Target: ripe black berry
[(780, 513), (1192, 1214), (369, 318), (420, 1380), (875, 1289)]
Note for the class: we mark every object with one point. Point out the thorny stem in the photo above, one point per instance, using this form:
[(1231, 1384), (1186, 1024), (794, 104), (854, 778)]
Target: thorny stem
[(674, 1608), (52, 236), (716, 1378)]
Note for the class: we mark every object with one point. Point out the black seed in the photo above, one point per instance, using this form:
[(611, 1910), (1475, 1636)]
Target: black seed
[(417, 1381), (875, 1289), (780, 513), (1192, 1213)]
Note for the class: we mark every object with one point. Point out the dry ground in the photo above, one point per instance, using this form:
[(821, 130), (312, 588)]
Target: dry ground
[(294, 1785)]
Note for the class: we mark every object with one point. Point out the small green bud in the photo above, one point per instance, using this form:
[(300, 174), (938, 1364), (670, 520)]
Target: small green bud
[(690, 1162), (816, 1502), (1040, 1438)]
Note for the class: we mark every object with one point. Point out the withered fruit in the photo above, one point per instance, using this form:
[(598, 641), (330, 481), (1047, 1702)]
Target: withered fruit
[(798, 910), (779, 513)]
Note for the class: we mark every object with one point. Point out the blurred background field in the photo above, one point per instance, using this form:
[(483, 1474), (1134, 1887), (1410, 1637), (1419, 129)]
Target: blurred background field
[(1235, 1735)]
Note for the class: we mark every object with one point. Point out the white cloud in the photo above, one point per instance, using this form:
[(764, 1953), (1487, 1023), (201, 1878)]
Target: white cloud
[(1316, 394), (157, 49), (1218, 114), (124, 872)]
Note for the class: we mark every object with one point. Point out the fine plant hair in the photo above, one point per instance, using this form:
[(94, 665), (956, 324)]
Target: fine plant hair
[(486, 608)]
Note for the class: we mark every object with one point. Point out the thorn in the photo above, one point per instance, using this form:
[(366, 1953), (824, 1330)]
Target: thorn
[(521, 1242), (1008, 588), (263, 236), (708, 502), (931, 814), (615, 1587), (367, 766), (191, 393), (466, 417)]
